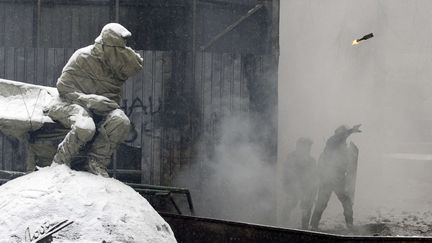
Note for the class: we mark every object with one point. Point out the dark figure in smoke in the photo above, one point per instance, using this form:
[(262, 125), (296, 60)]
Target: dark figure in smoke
[(90, 90), (336, 174), (299, 182)]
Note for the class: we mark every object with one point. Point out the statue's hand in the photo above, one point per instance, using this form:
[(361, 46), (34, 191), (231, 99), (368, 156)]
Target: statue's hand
[(98, 103)]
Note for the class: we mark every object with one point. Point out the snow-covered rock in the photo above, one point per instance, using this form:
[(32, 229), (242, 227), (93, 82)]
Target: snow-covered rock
[(102, 209)]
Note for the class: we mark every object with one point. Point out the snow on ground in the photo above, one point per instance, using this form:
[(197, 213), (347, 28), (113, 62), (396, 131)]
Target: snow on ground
[(395, 201), (101, 208), (392, 198)]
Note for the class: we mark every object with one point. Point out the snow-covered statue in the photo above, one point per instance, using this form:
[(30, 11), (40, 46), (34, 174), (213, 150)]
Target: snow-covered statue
[(90, 89), (79, 124)]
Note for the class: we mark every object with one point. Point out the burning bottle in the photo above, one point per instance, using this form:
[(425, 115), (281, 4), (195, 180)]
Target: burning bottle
[(357, 41)]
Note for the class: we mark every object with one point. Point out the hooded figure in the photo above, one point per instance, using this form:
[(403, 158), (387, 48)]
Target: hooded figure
[(90, 90), (334, 170)]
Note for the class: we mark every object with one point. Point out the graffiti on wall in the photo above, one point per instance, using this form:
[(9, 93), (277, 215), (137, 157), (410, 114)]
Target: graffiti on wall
[(149, 110)]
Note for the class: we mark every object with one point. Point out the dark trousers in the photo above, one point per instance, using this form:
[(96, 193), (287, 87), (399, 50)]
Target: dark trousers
[(305, 197), (324, 192)]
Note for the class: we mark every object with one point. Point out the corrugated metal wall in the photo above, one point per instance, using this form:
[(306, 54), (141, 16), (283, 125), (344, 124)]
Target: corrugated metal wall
[(172, 108)]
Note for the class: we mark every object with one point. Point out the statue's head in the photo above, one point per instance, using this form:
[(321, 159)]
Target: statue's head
[(113, 34)]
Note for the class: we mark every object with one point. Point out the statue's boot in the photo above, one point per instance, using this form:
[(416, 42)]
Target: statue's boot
[(112, 131)]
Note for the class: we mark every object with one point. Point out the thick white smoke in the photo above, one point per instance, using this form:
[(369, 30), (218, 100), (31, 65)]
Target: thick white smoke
[(382, 83), (236, 180), (324, 81)]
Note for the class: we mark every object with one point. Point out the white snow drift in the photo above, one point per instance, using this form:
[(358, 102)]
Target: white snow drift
[(101, 208)]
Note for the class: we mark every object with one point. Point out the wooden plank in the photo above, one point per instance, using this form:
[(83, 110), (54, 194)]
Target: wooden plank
[(19, 65), (8, 152), (140, 126), (59, 63), (191, 131), (269, 73), (21, 158), (170, 87), (41, 67), (16, 155), (146, 129), (244, 90), (30, 65), (199, 84), (10, 63), (137, 115), (199, 87), (227, 78), (2, 155), (172, 82), (128, 91), (3, 24), (188, 73), (162, 61), (50, 67), (2, 62), (69, 53), (236, 89), (207, 94), (216, 105)]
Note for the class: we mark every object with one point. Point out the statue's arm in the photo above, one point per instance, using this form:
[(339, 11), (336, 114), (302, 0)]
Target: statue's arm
[(96, 103), (127, 64)]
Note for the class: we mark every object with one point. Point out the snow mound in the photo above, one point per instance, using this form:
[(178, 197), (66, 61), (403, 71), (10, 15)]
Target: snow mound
[(102, 209)]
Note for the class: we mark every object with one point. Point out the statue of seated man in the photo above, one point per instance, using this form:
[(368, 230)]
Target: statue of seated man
[(90, 89)]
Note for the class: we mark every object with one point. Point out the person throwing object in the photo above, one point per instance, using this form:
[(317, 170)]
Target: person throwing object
[(337, 168)]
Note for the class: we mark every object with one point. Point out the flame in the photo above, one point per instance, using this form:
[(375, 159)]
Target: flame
[(355, 42)]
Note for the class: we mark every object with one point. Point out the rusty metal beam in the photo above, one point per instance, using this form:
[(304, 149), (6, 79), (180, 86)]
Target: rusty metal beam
[(198, 229)]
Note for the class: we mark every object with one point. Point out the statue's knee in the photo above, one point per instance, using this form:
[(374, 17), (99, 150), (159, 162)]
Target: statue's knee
[(85, 129), (120, 120)]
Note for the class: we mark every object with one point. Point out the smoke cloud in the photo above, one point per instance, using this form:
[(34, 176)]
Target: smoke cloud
[(238, 183), (382, 83)]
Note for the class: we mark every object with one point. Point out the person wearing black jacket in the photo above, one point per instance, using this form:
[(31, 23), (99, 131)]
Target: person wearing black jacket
[(334, 168)]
